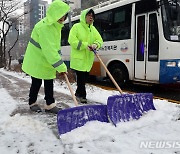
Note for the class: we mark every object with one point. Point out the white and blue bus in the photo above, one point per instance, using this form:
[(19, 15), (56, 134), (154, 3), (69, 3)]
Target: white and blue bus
[(141, 40)]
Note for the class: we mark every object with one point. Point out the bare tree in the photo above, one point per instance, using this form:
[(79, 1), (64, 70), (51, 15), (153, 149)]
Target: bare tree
[(8, 17), (87, 4), (9, 49)]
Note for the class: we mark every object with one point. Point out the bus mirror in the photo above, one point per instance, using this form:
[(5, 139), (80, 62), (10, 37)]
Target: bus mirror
[(173, 12), (172, 7)]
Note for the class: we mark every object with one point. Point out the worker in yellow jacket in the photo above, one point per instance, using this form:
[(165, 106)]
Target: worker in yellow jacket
[(43, 55), (83, 37)]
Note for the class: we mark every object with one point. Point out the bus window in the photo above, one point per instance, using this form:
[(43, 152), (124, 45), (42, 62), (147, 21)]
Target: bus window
[(115, 24), (103, 23), (64, 35), (122, 23), (171, 19), (76, 21), (144, 6), (140, 38), (153, 41)]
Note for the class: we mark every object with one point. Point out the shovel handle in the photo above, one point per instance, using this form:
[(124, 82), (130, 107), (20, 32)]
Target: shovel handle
[(107, 71), (72, 93)]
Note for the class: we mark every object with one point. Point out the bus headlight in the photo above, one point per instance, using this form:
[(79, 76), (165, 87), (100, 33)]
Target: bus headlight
[(171, 64), (179, 64)]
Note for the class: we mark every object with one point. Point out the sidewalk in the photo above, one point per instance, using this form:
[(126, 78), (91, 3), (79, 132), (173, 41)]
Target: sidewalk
[(19, 90)]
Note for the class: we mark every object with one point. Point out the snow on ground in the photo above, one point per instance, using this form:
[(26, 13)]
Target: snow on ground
[(156, 132)]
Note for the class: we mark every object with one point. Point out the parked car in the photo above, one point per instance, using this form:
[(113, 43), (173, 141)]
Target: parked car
[(20, 59)]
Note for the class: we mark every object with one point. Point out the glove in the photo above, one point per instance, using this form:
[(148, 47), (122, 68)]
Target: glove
[(89, 48), (59, 75), (92, 47), (62, 73)]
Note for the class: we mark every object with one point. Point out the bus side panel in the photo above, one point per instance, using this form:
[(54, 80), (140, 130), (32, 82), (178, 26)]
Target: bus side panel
[(169, 71), (123, 53), (96, 69), (169, 58)]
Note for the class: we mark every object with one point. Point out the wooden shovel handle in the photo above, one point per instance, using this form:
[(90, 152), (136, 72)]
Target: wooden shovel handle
[(72, 93), (107, 71)]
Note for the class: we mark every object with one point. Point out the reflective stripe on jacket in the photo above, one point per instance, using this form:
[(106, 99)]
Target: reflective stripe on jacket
[(81, 35), (42, 58)]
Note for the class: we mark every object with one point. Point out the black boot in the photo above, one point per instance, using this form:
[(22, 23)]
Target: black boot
[(81, 99)]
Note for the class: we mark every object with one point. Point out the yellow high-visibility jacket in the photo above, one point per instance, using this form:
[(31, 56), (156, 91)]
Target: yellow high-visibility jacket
[(43, 54), (81, 35)]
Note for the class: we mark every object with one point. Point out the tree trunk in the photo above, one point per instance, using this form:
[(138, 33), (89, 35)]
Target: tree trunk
[(1, 57)]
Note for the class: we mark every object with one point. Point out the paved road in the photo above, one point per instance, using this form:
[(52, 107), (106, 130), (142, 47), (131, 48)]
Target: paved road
[(170, 92)]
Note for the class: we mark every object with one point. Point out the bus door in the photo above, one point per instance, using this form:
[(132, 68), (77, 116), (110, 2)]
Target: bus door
[(147, 47)]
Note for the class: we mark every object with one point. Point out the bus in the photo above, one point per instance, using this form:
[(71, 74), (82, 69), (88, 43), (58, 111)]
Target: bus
[(141, 40)]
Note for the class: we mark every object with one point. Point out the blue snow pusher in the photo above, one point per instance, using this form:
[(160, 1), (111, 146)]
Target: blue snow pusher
[(75, 117), (126, 106), (119, 108), (71, 118)]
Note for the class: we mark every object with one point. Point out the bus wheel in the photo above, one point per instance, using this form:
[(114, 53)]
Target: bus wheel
[(119, 73)]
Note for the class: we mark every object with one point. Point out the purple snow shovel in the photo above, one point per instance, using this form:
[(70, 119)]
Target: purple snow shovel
[(71, 118), (126, 106)]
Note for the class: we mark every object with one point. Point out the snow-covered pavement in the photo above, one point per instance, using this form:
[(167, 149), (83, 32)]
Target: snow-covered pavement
[(23, 132)]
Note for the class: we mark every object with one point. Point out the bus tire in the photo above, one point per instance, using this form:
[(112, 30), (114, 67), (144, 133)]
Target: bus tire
[(119, 73)]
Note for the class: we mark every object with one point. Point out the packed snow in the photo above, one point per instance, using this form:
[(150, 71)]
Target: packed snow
[(156, 132)]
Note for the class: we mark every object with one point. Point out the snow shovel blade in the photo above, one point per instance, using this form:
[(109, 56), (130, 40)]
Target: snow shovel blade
[(145, 101), (121, 108), (71, 118)]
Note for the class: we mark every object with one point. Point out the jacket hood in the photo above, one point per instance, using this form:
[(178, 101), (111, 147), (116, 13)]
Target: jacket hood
[(83, 15), (56, 10)]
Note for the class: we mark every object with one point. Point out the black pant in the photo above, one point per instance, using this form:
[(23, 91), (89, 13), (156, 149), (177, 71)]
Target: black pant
[(81, 81), (48, 90)]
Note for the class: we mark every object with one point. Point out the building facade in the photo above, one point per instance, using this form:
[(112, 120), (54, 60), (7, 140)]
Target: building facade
[(74, 4), (36, 11)]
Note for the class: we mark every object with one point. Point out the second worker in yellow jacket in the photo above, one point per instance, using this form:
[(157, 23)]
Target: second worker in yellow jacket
[(83, 38)]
